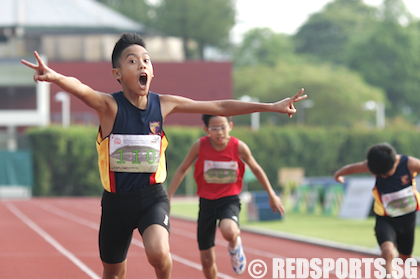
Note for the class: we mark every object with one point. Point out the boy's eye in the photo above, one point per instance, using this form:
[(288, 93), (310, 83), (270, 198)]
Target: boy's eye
[(147, 60), (215, 128)]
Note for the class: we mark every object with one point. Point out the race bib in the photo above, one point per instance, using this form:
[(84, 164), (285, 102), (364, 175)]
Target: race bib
[(400, 203), (220, 172), (134, 153)]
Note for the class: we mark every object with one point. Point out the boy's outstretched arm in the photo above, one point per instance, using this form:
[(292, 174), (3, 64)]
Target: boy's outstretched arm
[(183, 168), (359, 167), (274, 200), (173, 104), (71, 85)]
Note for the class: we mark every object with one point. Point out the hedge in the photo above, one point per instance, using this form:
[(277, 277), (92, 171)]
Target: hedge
[(65, 160)]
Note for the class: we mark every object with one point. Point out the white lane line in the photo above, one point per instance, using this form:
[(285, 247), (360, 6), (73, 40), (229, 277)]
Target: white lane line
[(177, 231), (222, 242), (93, 225), (250, 250), (183, 260), (51, 240), (70, 216)]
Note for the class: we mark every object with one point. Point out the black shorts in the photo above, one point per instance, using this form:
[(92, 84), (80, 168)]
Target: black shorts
[(122, 213), (400, 230), (210, 212)]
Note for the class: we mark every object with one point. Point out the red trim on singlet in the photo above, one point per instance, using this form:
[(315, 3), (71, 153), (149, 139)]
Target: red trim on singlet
[(112, 186), (152, 179)]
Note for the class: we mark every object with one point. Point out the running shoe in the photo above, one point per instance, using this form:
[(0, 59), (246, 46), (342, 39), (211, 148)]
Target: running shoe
[(237, 258)]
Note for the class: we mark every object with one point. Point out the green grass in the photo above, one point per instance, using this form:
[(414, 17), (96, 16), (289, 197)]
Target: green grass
[(353, 232)]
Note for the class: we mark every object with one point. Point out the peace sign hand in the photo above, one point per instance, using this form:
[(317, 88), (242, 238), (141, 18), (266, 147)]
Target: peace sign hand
[(286, 105), (42, 72)]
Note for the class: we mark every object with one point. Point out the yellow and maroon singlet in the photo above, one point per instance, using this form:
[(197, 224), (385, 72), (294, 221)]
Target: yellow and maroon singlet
[(396, 195), (132, 157)]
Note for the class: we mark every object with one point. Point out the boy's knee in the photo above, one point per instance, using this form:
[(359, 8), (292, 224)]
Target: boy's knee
[(158, 257), (207, 262), (228, 233), (114, 271), (229, 230), (207, 258), (388, 250)]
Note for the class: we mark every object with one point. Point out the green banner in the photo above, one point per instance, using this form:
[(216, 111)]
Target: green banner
[(16, 168)]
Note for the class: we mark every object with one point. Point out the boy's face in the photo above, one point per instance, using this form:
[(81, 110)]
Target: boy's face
[(391, 172), (219, 129), (135, 71)]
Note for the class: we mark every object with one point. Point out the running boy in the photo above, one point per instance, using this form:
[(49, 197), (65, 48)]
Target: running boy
[(131, 146), (396, 198), (219, 169)]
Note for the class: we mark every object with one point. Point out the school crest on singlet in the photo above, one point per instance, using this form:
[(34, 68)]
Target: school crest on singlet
[(154, 127)]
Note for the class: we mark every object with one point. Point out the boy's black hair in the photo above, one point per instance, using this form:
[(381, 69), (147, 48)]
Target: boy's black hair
[(126, 40), (206, 118), (381, 158)]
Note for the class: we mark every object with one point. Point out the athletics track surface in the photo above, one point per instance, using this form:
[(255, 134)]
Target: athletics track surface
[(57, 238)]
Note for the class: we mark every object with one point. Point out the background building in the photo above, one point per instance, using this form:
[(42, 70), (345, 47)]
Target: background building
[(76, 38)]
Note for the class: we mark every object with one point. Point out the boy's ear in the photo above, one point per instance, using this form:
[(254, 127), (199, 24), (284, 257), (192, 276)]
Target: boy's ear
[(206, 129), (116, 73), (230, 125)]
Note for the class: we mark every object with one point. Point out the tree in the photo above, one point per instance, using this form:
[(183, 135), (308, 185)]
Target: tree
[(374, 42), (395, 12), (327, 34), (138, 10), (262, 46), (205, 23), (389, 58), (338, 93), (198, 23)]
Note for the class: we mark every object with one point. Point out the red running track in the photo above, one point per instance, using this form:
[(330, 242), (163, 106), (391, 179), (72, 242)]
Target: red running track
[(58, 238)]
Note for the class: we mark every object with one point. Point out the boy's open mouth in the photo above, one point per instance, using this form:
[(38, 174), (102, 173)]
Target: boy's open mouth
[(143, 79)]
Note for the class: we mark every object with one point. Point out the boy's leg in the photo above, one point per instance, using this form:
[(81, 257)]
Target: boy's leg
[(388, 254), (229, 219), (114, 238), (115, 271), (154, 227), (386, 237), (406, 228), (398, 230), (230, 231), (405, 257), (156, 244), (206, 233), (229, 227), (208, 261)]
